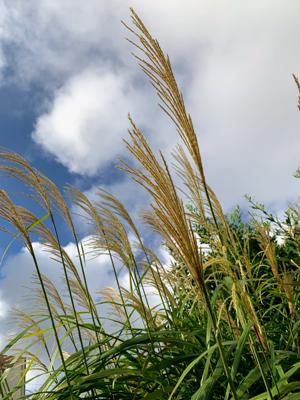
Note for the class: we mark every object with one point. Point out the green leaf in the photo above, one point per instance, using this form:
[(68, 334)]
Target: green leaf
[(192, 365), (238, 354)]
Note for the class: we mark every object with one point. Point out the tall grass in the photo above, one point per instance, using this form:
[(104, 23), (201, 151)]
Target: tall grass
[(224, 319)]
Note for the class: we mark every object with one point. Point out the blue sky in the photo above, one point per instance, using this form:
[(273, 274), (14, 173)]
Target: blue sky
[(67, 82)]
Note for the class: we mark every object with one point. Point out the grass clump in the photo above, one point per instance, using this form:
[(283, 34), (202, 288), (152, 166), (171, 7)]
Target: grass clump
[(225, 320)]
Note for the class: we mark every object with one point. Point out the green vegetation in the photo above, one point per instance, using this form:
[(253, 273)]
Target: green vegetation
[(224, 323)]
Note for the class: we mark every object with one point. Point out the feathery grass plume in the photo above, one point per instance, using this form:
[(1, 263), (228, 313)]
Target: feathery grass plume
[(20, 169), (44, 188), (168, 216), (112, 237), (54, 295), (23, 216), (113, 299), (11, 213), (157, 67), (298, 86), (72, 277), (48, 196), (268, 248), (163, 268), (196, 195), (116, 206), (284, 279), (116, 240), (99, 231), (156, 279), (53, 247), (288, 285), (116, 236), (135, 301), (108, 201), (25, 319)]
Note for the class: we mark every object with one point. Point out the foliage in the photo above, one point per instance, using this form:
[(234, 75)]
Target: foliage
[(224, 321)]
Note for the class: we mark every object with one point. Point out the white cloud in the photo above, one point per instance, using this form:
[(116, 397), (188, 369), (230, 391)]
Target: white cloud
[(84, 126)]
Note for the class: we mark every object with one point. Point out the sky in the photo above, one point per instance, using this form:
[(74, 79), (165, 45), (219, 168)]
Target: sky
[(68, 81)]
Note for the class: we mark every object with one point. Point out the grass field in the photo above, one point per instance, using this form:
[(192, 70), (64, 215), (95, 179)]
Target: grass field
[(220, 321)]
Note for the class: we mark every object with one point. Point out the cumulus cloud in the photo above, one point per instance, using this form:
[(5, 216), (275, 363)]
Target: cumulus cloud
[(84, 126)]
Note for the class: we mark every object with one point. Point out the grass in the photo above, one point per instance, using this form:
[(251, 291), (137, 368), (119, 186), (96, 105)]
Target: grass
[(225, 320)]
